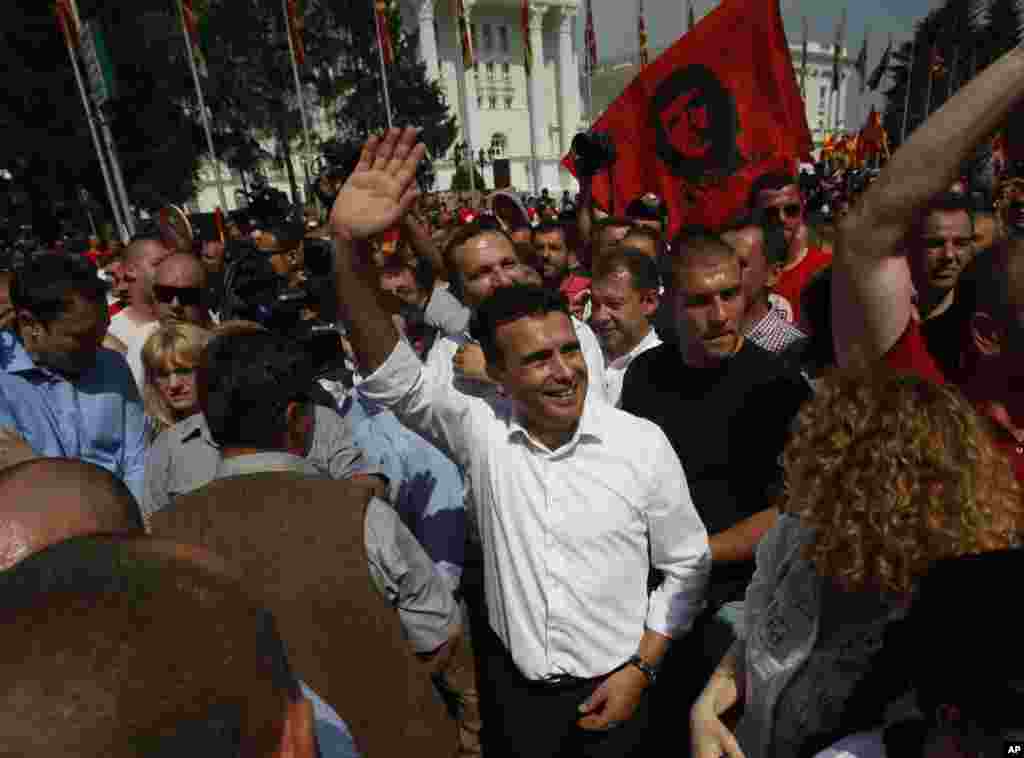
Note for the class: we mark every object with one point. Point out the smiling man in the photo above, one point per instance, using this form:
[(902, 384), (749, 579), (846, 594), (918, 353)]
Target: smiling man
[(625, 298), (575, 500)]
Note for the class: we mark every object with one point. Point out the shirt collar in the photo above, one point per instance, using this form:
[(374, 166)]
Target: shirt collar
[(651, 339), (256, 463), (14, 358), (589, 427)]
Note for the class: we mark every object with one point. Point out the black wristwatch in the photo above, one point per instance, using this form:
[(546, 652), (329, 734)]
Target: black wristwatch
[(649, 671)]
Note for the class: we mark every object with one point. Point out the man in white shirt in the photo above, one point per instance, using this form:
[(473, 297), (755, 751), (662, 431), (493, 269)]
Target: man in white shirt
[(576, 500), (624, 298), (138, 319)]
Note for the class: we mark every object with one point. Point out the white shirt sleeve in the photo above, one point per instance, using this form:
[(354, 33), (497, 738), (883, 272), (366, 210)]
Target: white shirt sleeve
[(594, 357), (679, 545)]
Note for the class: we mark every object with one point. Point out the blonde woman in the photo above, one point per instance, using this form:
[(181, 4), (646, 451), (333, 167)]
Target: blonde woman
[(169, 358), (885, 476)]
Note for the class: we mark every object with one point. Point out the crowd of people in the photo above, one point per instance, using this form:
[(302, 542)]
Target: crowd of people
[(505, 478)]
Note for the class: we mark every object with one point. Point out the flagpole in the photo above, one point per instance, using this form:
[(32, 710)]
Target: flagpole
[(308, 145), (383, 67), (460, 73), (906, 100), (202, 107), (112, 197), (115, 167), (928, 97)]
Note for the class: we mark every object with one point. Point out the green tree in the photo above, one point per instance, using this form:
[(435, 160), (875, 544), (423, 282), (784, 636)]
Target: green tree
[(45, 138), (1001, 30), (359, 100), (460, 181)]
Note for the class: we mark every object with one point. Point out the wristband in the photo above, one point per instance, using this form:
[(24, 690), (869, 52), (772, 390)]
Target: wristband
[(649, 671)]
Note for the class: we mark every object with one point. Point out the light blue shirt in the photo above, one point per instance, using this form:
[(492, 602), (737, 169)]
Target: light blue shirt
[(98, 418)]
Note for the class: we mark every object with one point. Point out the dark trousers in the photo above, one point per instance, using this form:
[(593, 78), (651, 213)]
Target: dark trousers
[(532, 719)]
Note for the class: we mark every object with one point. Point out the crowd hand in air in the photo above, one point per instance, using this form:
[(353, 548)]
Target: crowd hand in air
[(382, 188), (469, 363)]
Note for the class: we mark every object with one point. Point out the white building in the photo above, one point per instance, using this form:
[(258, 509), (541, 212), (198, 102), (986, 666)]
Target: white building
[(495, 103), (827, 111)]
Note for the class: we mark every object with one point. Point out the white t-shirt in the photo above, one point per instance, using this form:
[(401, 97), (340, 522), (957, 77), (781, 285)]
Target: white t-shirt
[(134, 336)]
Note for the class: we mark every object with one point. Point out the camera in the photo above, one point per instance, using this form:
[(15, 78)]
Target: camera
[(594, 151)]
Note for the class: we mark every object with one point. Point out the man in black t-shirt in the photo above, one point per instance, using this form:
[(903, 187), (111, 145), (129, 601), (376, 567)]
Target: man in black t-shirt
[(726, 406)]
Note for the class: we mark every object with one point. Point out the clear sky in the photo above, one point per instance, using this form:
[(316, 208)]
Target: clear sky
[(615, 22)]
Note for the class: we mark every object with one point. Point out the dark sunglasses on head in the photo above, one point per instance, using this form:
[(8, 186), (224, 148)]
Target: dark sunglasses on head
[(185, 295)]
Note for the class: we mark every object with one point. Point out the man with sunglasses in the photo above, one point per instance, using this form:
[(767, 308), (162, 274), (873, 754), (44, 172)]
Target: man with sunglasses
[(179, 290), (779, 194)]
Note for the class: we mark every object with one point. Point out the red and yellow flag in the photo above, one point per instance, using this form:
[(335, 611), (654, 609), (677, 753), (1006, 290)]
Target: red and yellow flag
[(380, 15), (698, 127), (524, 24), (641, 31), (68, 20), (591, 38), (191, 20), (465, 36), (296, 26)]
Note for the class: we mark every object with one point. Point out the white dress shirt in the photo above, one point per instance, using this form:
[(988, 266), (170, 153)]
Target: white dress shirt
[(615, 371), (568, 535), (439, 363)]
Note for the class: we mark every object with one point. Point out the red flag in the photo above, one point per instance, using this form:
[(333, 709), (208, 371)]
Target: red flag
[(296, 25), (705, 119), (68, 20), (591, 38), (524, 22), (873, 139), (380, 13), (465, 37), (191, 18)]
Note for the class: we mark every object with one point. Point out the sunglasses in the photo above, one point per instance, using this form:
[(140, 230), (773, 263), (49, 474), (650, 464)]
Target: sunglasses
[(186, 295)]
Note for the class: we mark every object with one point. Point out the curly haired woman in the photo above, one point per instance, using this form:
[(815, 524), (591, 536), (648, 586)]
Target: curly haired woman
[(885, 475)]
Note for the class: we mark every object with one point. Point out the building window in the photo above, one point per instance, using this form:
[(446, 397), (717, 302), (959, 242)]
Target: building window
[(479, 102), (508, 101), (490, 70), (506, 69), (503, 33), (493, 102), (487, 36), (822, 95)]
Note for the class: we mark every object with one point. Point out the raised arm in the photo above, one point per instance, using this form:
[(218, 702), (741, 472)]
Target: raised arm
[(871, 289), (376, 196)]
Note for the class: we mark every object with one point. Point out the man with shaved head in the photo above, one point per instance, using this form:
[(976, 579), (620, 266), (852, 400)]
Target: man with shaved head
[(726, 406), (97, 661), (133, 324), (179, 290), (79, 498)]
